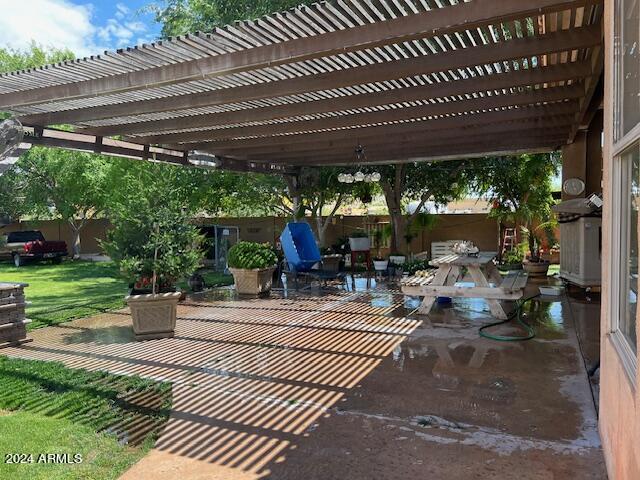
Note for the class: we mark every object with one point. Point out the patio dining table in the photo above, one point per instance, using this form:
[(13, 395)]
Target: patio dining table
[(487, 282)]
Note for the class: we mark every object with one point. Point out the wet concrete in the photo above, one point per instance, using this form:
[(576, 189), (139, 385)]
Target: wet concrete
[(351, 383)]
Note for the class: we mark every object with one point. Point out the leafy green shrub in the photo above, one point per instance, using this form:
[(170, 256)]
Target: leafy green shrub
[(513, 257), (412, 267), (251, 255), (150, 237), (359, 234)]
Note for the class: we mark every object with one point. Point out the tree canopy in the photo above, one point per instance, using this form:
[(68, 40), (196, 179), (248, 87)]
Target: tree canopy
[(179, 17)]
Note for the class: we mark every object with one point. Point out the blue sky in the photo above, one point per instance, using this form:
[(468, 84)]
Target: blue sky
[(85, 27)]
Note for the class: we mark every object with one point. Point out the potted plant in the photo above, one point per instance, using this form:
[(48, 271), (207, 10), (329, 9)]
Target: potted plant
[(252, 265), (397, 259), (359, 241), (154, 246), (512, 260), (331, 260), (380, 264), (534, 264)]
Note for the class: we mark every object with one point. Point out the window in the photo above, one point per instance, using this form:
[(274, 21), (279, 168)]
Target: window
[(627, 43), (629, 211), (626, 183)]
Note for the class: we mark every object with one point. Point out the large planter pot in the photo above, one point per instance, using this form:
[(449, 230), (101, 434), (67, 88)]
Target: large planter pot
[(331, 263), (536, 269), (252, 281), (380, 265), (154, 316), (397, 259), (505, 267), (359, 244)]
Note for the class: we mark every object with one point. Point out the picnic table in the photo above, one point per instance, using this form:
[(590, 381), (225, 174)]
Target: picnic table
[(487, 282)]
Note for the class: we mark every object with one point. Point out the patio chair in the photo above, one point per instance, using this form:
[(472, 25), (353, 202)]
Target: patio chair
[(302, 254)]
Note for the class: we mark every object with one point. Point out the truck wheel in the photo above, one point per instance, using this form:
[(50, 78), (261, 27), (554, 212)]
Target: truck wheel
[(17, 261)]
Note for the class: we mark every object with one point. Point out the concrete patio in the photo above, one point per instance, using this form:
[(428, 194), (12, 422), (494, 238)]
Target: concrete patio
[(354, 381)]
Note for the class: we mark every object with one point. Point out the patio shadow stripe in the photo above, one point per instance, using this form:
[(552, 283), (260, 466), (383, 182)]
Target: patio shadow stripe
[(184, 368)]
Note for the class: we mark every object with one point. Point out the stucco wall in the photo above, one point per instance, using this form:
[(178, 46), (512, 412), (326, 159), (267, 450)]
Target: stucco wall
[(619, 394)]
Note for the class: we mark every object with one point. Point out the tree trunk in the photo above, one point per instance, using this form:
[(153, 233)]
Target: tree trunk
[(75, 245), (393, 197), (296, 198)]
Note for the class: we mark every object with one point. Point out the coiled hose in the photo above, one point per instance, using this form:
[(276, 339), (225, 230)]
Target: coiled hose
[(517, 313)]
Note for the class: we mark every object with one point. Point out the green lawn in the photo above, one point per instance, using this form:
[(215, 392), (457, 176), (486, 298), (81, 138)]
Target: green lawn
[(108, 421), (59, 293), (75, 289)]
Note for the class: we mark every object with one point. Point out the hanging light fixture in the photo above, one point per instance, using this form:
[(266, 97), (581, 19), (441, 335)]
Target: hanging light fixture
[(359, 176)]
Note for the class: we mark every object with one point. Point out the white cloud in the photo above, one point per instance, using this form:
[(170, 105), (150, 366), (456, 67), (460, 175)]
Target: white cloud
[(62, 24), (52, 23)]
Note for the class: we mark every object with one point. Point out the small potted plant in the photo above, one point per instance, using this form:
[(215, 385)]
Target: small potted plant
[(359, 241), (512, 260), (154, 245), (252, 265), (380, 264), (534, 264), (397, 259), (330, 260)]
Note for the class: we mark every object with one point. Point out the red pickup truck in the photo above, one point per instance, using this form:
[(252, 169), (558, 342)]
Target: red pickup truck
[(30, 245)]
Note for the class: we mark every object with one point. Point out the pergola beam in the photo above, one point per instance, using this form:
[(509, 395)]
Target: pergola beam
[(351, 120), (116, 148), (513, 79), (544, 111), (464, 15), (462, 150), (414, 139), (573, 39), (425, 145)]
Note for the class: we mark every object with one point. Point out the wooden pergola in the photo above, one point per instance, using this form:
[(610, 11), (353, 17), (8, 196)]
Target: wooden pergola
[(409, 80)]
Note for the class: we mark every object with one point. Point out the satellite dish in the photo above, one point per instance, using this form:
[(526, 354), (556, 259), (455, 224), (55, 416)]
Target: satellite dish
[(11, 135)]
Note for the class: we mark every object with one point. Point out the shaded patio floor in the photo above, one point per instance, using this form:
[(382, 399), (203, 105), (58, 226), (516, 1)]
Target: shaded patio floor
[(354, 385)]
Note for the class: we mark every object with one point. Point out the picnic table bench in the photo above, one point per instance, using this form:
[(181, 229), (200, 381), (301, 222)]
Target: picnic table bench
[(487, 282)]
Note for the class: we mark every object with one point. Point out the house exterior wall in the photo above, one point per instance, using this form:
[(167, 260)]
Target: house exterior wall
[(619, 392)]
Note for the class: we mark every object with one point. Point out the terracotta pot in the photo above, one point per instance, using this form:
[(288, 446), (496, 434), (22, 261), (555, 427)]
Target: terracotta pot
[(359, 244), (154, 316), (536, 269), (252, 281)]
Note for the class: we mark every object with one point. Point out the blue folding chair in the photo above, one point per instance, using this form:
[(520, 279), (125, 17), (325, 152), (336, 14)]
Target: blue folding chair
[(302, 253)]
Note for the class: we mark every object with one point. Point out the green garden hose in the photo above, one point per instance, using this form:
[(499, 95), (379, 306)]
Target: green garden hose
[(517, 313)]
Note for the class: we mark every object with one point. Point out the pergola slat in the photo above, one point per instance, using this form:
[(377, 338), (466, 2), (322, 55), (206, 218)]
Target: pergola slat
[(528, 77), (527, 47), (464, 15), (388, 115)]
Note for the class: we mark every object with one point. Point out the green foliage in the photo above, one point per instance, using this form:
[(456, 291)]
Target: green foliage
[(151, 231), (513, 257), (179, 17), (250, 255), (359, 234), (412, 266)]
